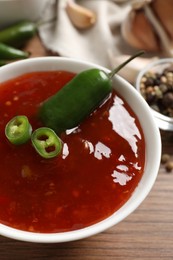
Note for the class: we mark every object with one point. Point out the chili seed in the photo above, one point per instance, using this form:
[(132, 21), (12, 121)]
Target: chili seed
[(16, 98), (8, 103)]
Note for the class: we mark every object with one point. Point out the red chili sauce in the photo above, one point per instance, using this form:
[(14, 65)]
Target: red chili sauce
[(100, 166)]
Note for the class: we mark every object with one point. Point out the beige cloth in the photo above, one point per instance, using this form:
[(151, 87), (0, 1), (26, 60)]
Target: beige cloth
[(94, 44)]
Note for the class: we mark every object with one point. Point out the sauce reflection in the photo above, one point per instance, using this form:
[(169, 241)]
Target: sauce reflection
[(124, 124)]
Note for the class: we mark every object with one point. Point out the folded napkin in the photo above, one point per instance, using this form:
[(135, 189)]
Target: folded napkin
[(94, 44)]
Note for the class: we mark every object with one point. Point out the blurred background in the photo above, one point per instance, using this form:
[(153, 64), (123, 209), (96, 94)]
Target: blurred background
[(105, 32)]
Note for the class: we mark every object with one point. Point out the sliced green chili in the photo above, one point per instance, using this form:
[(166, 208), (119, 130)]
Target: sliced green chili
[(46, 142), (18, 130)]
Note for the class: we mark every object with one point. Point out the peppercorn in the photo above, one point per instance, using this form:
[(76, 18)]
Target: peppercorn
[(165, 158), (169, 166), (167, 100), (167, 161), (149, 81), (163, 88)]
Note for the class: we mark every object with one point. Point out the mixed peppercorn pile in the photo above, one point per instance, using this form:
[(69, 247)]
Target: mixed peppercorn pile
[(157, 89)]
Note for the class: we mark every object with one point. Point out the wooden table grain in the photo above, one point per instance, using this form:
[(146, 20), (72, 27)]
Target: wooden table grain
[(146, 234)]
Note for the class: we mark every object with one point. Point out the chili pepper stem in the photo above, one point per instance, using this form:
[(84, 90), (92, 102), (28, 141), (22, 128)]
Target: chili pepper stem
[(114, 71)]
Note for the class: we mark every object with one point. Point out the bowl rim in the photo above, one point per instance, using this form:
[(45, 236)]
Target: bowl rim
[(153, 154), (164, 122)]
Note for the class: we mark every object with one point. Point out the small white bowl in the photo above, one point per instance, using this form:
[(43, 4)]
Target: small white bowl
[(151, 135), (13, 11), (163, 122)]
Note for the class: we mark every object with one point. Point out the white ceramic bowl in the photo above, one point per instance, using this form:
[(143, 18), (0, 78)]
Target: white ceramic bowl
[(12, 11), (163, 122), (151, 134)]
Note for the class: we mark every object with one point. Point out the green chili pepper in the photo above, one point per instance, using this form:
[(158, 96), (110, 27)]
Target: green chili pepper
[(78, 98), (46, 142), (18, 34), (18, 130), (10, 53), (2, 62)]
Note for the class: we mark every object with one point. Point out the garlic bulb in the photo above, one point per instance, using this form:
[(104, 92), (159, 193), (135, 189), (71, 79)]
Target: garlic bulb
[(148, 26), (164, 11), (137, 31)]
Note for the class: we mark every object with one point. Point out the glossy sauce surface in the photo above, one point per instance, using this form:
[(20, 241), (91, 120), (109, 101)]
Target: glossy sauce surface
[(101, 163)]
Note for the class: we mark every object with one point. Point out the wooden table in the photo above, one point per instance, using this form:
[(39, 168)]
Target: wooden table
[(145, 234)]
